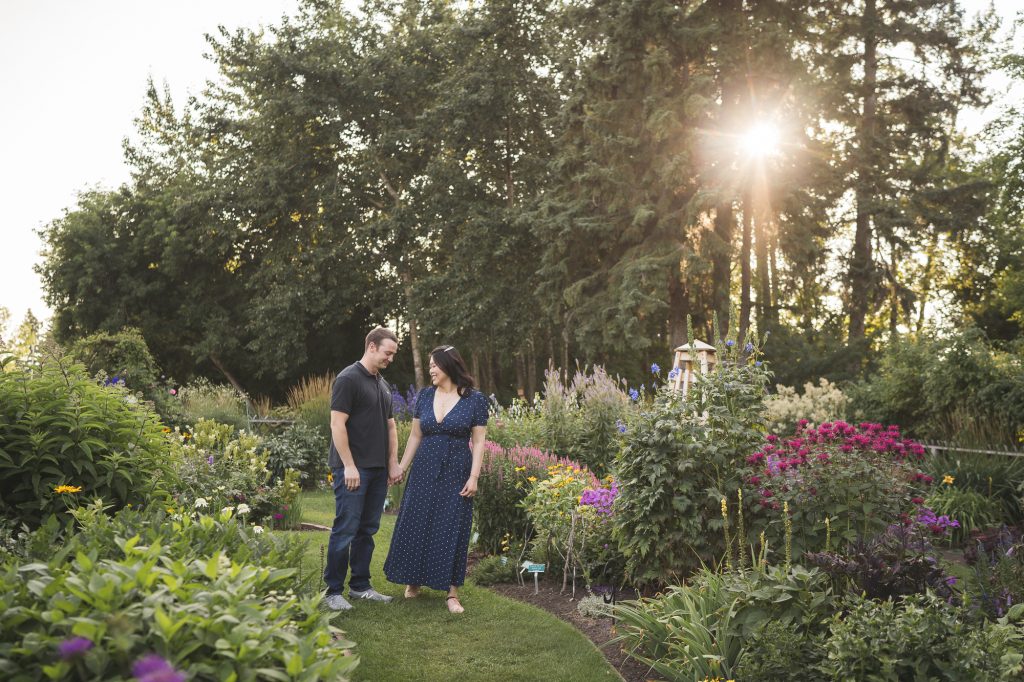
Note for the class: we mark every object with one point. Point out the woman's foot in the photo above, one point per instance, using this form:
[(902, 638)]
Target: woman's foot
[(454, 605), (412, 591)]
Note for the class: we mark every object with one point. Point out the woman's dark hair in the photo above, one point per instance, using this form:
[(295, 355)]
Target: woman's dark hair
[(451, 363)]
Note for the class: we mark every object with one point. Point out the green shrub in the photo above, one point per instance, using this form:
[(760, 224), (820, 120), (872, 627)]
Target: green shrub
[(211, 618), (124, 357), (919, 638), (302, 448), (960, 388), (494, 570), (682, 456), (59, 428), (213, 402), (779, 653), (518, 425)]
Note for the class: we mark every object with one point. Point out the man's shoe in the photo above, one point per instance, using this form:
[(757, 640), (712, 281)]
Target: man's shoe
[(371, 594), (336, 602)]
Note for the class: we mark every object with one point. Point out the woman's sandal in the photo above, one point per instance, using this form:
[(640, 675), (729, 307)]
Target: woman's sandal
[(456, 607), (411, 592)]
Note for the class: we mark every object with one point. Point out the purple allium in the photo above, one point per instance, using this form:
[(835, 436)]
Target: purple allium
[(153, 668), (76, 646)]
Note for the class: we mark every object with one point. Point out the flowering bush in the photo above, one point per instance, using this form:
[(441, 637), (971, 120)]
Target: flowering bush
[(214, 468), (65, 438), (819, 404), (682, 455), (860, 478), (571, 523), (505, 478)]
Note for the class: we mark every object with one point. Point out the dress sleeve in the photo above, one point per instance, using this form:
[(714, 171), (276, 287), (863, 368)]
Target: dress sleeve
[(480, 409)]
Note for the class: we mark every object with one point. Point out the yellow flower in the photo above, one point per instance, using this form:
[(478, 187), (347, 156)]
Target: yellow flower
[(62, 489), (520, 468), (531, 479), (330, 478), (948, 480)]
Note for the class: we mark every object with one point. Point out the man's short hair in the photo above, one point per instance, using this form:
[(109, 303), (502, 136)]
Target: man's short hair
[(378, 335)]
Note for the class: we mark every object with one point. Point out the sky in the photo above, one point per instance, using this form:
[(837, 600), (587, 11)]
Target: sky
[(73, 76)]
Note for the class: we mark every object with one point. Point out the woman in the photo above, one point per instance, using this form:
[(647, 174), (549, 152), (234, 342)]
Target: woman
[(431, 538)]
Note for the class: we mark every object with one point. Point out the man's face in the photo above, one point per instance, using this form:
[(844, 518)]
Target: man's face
[(382, 355)]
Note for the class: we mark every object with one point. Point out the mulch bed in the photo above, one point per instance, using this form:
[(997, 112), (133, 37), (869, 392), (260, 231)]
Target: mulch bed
[(599, 630)]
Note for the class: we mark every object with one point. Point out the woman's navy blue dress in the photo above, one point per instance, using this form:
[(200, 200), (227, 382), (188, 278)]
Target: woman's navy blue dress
[(431, 537)]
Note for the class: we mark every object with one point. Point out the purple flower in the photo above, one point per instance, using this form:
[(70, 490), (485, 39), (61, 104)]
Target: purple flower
[(730, 343), (153, 668), (950, 581), (749, 348), (757, 363), (621, 426), (278, 516), (209, 460), (655, 369), (76, 646), (673, 373), (634, 395)]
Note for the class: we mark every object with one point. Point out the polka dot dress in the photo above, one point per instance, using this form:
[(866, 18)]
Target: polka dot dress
[(431, 538)]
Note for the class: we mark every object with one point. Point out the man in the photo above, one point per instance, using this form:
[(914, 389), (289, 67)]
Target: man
[(363, 457)]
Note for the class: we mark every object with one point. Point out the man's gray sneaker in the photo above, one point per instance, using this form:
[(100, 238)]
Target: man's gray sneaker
[(336, 602), (371, 594)]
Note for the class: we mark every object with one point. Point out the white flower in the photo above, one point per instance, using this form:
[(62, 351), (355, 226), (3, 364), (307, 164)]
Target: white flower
[(221, 487), (257, 529), (242, 509), (228, 511), (201, 503)]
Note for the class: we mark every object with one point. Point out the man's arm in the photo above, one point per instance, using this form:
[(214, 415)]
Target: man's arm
[(394, 472), (339, 433)]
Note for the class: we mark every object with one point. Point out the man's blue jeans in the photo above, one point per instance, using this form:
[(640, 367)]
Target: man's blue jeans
[(356, 519)]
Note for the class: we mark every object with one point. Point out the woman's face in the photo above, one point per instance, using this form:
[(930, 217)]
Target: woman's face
[(436, 375)]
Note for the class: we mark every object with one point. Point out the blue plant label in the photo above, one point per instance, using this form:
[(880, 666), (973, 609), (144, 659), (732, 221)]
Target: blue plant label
[(531, 567)]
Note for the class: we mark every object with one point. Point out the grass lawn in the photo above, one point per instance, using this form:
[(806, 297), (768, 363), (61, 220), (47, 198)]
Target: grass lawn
[(495, 639)]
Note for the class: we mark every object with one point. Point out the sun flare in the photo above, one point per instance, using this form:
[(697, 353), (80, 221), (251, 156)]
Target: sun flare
[(761, 140)]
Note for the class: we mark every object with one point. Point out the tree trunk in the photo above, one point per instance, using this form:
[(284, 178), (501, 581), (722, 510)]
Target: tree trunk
[(926, 285), (417, 361), (894, 294), (764, 302), (773, 271), (861, 261), (678, 307), (721, 262), (520, 375), (748, 224), (231, 379), (531, 372)]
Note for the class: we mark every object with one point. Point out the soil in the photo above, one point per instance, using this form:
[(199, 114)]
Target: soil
[(599, 630)]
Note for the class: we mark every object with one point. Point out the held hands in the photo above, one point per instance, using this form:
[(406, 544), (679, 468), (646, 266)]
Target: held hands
[(396, 472), (469, 490)]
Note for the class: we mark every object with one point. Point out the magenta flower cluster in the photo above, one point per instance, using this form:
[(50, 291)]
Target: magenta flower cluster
[(526, 460), (601, 499), (71, 648), (779, 454)]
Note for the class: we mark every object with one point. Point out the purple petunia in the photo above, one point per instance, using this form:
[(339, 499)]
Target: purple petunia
[(76, 646), (153, 668)]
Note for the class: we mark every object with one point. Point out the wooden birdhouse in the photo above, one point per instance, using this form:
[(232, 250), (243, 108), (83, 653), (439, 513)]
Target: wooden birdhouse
[(691, 358)]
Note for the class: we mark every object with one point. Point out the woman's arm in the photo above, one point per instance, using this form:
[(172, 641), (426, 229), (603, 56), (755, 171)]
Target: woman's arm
[(478, 436), (415, 436)]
